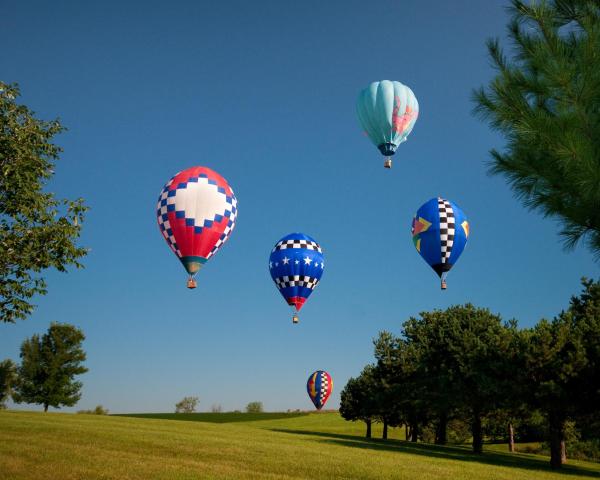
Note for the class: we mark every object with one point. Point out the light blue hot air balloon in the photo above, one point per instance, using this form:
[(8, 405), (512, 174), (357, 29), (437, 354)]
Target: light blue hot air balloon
[(387, 112)]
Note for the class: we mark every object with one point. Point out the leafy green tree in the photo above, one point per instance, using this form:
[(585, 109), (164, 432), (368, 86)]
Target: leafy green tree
[(464, 360), (546, 103), (187, 405), (48, 367), (358, 400), (563, 366), (8, 376), (254, 407), (37, 230)]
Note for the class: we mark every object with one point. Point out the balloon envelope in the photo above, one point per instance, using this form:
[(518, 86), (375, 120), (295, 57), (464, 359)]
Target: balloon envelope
[(296, 265), (319, 387), (440, 230), (196, 214), (387, 112)]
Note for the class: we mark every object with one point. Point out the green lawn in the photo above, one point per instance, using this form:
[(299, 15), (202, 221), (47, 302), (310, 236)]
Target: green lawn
[(314, 446)]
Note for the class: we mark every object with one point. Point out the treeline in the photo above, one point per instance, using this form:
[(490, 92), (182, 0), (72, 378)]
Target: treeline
[(465, 365)]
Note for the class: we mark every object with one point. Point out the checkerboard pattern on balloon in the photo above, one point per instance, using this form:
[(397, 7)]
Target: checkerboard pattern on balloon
[(306, 244), (163, 219), (447, 228), (288, 281)]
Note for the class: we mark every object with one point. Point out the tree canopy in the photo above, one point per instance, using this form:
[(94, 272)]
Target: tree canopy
[(545, 100), (37, 230), (48, 367)]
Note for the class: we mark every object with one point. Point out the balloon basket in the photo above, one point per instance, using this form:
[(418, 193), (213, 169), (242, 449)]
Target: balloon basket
[(295, 318), (191, 283), (387, 163), (444, 286)]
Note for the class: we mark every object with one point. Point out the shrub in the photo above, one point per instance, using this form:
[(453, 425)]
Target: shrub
[(254, 407), (99, 410)]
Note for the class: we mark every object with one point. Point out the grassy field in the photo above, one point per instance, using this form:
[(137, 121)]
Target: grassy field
[(276, 446)]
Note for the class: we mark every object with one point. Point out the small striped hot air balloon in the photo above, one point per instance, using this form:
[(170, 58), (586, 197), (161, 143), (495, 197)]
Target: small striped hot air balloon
[(319, 387)]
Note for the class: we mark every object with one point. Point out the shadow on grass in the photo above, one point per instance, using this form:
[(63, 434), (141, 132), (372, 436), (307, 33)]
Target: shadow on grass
[(227, 417), (459, 453)]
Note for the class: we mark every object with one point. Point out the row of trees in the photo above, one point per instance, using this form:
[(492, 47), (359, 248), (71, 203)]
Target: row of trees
[(190, 405), (46, 374), (465, 363)]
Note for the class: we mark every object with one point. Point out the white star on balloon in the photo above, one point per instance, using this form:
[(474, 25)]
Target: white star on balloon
[(307, 261), (297, 262), (270, 264), (276, 264), (286, 260)]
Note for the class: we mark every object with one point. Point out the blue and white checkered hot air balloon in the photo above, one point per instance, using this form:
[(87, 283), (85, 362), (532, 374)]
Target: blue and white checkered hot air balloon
[(387, 112), (440, 230), (296, 265)]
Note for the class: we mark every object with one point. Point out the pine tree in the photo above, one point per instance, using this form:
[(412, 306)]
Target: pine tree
[(545, 101), (48, 367)]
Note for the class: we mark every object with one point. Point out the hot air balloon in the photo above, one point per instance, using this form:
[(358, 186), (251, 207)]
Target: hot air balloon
[(296, 265), (319, 387), (387, 112), (196, 214), (440, 230)]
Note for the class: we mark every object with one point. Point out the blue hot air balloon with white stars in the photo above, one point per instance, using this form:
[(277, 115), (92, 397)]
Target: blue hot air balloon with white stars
[(296, 265)]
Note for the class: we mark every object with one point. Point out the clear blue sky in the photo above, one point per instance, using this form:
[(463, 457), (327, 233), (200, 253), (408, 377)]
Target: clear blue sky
[(264, 93)]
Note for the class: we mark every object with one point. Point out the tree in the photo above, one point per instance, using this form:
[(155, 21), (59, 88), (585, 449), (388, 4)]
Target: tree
[(563, 366), (37, 230), (465, 361), (8, 376), (358, 399), (546, 103), (187, 405), (254, 407), (48, 367)]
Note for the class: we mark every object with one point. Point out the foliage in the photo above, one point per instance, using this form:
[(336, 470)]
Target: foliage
[(216, 408), (8, 377), (37, 230), (99, 410), (187, 405), (49, 365), (546, 103), (254, 407), (562, 364)]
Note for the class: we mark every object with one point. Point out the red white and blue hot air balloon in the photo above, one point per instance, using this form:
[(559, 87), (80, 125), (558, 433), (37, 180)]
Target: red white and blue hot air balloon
[(319, 387), (196, 214), (296, 265)]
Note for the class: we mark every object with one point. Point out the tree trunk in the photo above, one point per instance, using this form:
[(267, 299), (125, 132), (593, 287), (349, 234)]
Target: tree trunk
[(385, 428), (45, 407), (406, 431), (414, 433), (368, 422), (511, 438), (477, 434), (441, 437), (558, 454)]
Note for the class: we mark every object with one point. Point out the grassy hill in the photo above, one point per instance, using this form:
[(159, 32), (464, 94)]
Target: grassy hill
[(240, 446)]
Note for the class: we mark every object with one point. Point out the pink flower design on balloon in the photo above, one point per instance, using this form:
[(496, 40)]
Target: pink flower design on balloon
[(401, 121)]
